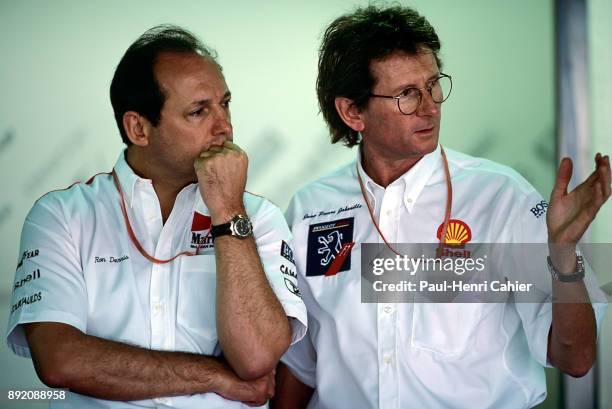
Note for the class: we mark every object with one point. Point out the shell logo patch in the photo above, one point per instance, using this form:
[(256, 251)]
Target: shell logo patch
[(457, 233)]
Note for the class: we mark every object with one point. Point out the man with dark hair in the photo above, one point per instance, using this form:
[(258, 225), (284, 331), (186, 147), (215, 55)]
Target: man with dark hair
[(161, 282), (380, 86)]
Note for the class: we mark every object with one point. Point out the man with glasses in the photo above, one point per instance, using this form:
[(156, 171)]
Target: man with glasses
[(380, 87)]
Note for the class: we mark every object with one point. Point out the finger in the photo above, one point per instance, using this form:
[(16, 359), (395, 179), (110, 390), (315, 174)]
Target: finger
[(206, 154), (197, 163), (592, 179), (564, 175), (231, 145), (606, 175), (601, 174), (216, 148), (596, 202)]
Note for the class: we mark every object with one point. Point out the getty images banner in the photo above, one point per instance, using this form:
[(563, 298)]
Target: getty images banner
[(478, 273)]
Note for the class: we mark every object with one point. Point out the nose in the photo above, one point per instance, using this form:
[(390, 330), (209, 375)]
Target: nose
[(222, 126), (427, 107)]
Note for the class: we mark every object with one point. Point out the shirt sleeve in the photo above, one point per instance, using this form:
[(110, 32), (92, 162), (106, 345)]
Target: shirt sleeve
[(536, 317), (301, 359), (49, 284), (273, 240)]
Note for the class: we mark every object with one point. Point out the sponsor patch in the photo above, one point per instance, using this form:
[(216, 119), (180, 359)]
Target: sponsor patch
[(292, 287), (34, 275), (290, 280), (27, 255), (457, 233), (29, 299), (329, 246), (200, 229), (539, 209), (286, 252)]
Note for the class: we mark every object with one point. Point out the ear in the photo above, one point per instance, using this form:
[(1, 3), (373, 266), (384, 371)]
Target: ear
[(136, 127), (349, 113)]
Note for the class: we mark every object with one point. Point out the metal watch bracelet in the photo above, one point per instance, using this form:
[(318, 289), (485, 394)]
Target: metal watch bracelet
[(577, 275)]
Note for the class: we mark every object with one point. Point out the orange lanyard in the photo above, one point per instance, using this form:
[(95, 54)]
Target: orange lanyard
[(133, 236), (447, 213)]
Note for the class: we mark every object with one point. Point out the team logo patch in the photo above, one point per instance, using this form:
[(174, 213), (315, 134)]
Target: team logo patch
[(286, 252), (329, 247), (200, 229), (457, 233)]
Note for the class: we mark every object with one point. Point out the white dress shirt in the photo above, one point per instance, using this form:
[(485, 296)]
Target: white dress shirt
[(88, 274), (416, 355)]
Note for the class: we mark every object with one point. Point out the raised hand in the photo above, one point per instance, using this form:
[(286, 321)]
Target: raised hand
[(570, 213), (222, 173)]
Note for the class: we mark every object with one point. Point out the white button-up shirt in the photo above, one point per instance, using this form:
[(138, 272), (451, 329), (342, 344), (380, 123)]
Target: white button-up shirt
[(416, 355), (78, 266)]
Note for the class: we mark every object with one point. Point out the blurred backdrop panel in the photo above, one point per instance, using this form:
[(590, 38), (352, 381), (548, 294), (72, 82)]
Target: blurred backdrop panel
[(599, 25)]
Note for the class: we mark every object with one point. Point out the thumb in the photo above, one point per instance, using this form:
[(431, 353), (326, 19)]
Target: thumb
[(564, 174)]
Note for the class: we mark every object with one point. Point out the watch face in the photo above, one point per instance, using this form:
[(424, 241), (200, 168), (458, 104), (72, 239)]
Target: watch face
[(243, 227)]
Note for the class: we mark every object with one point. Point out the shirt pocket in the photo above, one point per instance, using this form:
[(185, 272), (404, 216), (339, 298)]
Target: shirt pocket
[(445, 329), (196, 303)]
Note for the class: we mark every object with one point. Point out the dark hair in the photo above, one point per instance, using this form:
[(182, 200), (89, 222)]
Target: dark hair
[(351, 43), (134, 86)]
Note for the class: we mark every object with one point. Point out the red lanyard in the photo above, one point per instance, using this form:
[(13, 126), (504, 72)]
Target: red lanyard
[(449, 202), (133, 236)]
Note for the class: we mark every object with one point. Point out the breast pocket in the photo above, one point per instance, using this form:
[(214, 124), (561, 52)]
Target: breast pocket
[(446, 329), (196, 303)]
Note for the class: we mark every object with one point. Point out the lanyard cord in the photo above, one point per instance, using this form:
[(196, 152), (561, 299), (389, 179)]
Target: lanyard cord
[(447, 212), (133, 236)]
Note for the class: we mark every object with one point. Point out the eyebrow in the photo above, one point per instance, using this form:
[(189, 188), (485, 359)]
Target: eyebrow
[(226, 96), (406, 86)]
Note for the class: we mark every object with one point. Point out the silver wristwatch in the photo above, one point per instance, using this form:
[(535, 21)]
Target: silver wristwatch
[(567, 278), (240, 226)]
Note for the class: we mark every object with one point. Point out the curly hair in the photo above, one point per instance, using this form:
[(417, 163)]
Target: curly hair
[(351, 43)]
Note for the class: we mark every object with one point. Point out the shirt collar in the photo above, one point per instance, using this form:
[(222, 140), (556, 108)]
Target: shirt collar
[(130, 180), (127, 178), (414, 180)]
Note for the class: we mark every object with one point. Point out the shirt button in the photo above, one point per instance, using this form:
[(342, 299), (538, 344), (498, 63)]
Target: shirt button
[(389, 212), (388, 310), (387, 359), (158, 308), (409, 200)]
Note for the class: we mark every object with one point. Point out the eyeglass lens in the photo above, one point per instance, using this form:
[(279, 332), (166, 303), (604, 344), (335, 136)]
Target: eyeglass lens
[(440, 90)]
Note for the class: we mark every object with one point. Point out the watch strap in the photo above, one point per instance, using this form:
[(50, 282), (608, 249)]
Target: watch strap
[(239, 226), (567, 278), (221, 230)]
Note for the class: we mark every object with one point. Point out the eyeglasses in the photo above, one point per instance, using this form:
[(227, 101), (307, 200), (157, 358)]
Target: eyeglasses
[(408, 100)]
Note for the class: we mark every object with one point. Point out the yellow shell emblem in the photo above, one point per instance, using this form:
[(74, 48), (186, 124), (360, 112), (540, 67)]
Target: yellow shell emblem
[(457, 232)]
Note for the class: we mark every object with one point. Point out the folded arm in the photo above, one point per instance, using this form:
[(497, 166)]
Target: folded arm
[(64, 357)]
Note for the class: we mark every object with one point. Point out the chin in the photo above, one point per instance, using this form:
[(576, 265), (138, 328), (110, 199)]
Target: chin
[(424, 147)]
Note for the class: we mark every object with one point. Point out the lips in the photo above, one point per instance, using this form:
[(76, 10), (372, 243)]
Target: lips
[(424, 131)]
